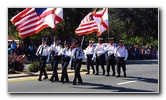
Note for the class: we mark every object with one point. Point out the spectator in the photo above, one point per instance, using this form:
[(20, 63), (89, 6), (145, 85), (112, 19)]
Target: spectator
[(13, 47)]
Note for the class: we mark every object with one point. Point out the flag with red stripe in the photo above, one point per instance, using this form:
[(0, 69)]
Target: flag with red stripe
[(101, 18), (32, 20), (87, 25)]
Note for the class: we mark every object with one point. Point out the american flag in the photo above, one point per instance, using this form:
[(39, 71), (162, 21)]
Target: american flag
[(87, 25), (32, 20)]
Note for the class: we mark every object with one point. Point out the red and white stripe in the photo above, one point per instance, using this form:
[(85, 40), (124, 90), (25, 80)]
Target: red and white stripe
[(86, 26), (29, 23)]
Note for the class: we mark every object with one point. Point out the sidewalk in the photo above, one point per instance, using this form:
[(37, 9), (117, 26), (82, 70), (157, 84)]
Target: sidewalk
[(83, 68)]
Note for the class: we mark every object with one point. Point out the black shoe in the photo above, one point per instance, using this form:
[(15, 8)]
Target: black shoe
[(97, 74), (118, 76), (74, 83), (113, 74), (80, 82), (87, 73), (93, 71), (124, 74), (51, 80), (108, 75), (56, 80), (67, 81), (103, 72), (39, 80), (45, 78)]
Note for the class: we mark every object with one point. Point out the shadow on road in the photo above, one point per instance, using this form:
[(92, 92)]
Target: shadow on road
[(128, 62), (111, 88), (149, 80)]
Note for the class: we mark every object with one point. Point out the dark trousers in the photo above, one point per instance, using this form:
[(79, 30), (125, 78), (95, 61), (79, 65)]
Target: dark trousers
[(121, 63), (77, 75), (42, 67), (100, 61), (54, 65), (111, 61), (89, 62), (65, 63)]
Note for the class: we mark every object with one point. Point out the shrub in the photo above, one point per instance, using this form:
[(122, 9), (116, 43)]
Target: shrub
[(34, 67), (48, 67)]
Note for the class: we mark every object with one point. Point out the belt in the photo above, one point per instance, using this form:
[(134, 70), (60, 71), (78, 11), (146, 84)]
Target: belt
[(121, 58), (110, 54), (99, 54)]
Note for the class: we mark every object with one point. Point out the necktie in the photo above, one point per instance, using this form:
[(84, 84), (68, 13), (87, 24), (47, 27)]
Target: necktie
[(42, 50), (75, 54)]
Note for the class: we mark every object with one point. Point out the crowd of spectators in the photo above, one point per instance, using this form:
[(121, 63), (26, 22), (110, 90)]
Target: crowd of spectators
[(23, 49), (136, 52)]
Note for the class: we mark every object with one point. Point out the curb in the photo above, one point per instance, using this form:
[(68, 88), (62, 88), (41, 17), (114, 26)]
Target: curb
[(37, 73)]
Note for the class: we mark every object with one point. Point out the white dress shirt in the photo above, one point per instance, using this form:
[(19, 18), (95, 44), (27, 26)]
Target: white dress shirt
[(79, 53), (111, 48), (43, 51), (99, 49), (122, 52), (90, 50), (55, 48), (66, 52)]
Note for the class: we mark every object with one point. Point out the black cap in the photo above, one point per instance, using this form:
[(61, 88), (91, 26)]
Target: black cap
[(121, 40), (91, 41), (101, 39), (56, 38), (111, 38), (44, 39), (66, 43), (77, 41)]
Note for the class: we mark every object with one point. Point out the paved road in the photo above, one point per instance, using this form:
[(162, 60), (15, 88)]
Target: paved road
[(140, 78)]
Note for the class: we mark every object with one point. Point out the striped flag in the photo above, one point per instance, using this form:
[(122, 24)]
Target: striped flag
[(32, 20), (87, 25), (101, 18)]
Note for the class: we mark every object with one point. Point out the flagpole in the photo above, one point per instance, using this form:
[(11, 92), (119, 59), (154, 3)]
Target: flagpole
[(108, 28)]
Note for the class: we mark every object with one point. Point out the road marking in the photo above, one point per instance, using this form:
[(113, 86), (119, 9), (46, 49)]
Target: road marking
[(126, 82), (129, 82)]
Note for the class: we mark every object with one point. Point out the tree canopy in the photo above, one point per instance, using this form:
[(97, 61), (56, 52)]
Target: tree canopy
[(137, 26)]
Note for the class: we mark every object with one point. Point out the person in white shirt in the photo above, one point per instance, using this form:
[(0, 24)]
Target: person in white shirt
[(121, 54), (54, 49), (111, 56), (77, 56), (89, 54), (44, 55), (66, 56), (100, 58)]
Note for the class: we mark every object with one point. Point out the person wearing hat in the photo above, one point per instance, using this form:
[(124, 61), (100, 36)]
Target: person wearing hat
[(44, 56), (111, 58), (89, 54), (121, 54), (77, 56), (100, 59), (66, 55), (54, 49)]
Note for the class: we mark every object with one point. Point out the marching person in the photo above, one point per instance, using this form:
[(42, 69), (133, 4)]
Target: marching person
[(111, 58), (100, 59), (55, 49), (44, 55), (77, 56), (89, 54), (66, 55), (121, 54)]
